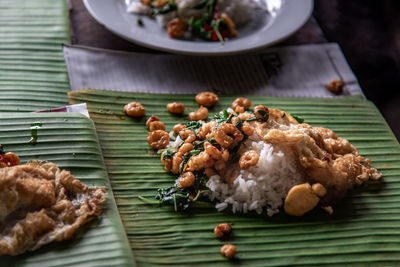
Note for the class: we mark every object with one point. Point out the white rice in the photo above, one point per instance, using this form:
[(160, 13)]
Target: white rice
[(261, 187), (240, 11)]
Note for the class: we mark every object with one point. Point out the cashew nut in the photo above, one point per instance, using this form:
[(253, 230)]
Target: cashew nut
[(303, 198), (328, 209), (318, 189)]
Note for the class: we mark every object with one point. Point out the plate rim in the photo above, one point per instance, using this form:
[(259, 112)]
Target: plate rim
[(304, 15)]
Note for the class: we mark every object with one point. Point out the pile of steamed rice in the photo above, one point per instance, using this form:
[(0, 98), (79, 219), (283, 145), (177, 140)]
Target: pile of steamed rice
[(240, 11), (261, 188)]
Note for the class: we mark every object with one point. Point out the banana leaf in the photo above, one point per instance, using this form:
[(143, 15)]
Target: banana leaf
[(363, 230), (69, 140), (33, 75)]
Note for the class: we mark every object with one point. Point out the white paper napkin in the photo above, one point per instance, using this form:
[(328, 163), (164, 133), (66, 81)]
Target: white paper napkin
[(294, 71)]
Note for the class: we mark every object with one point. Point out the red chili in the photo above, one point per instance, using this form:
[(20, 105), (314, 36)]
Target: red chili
[(207, 27), (214, 36)]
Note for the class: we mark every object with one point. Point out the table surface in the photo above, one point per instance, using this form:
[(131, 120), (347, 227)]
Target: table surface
[(335, 21)]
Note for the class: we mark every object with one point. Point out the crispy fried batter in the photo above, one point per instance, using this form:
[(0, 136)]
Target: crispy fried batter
[(39, 203), (325, 157)]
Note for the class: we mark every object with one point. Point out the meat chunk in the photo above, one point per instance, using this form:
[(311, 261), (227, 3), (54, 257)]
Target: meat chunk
[(324, 157)]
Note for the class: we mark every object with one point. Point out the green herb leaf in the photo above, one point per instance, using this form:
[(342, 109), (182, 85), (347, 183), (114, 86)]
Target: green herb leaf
[(2, 150), (263, 114), (251, 119), (171, 6), (194, 152), (239, 124), (168, 148), (199, 30), (179, 198), (225, 113), (168, 154), (215, 25), (185, 159), (223, 116), (189, 22), (199, 145), (297, 118), (199, 193), (140, 22), (34, 129), (193, 125)]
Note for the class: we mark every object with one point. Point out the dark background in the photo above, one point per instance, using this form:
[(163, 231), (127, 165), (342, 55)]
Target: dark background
[(367, 31), (369, 34)]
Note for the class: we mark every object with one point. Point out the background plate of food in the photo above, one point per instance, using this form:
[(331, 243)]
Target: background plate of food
[(202, 27)]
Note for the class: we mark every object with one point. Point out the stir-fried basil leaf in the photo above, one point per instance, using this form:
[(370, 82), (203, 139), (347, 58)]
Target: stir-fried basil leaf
[(297, 118), (194, 152), (251, 119), (239, 124), (199, 145), (179, 198), (171, 6), (185, 159), (2, 150), (203, 181), (215, 24), (198, 28), (168, 154), (221, 116), (263, 114), (193, 125)]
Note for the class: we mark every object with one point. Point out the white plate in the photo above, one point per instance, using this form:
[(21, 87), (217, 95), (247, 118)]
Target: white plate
[(284, 18)]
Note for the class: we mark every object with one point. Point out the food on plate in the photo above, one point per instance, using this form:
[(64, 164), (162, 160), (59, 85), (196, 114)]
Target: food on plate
[(176, 108), (239, 105), (8, 159), (222, 230), (260, 160), (303, 198), (158, 139), (134, 109), (335, 86), (176, 28), (151, 119), (39, 204), (228, 251), (207, 99), (156, 125), (212, 20), (198, 115)]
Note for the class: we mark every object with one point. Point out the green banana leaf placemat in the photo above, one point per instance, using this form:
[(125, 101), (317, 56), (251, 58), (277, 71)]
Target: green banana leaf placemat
[(364, 229), (33, 73), (69, 140)]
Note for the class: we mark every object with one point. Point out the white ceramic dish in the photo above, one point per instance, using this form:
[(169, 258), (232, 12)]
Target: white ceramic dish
[(283, 19)]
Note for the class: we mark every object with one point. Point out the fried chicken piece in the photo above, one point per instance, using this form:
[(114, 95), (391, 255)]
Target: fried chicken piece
[(39, 203), (324, 157), (33, 188)]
